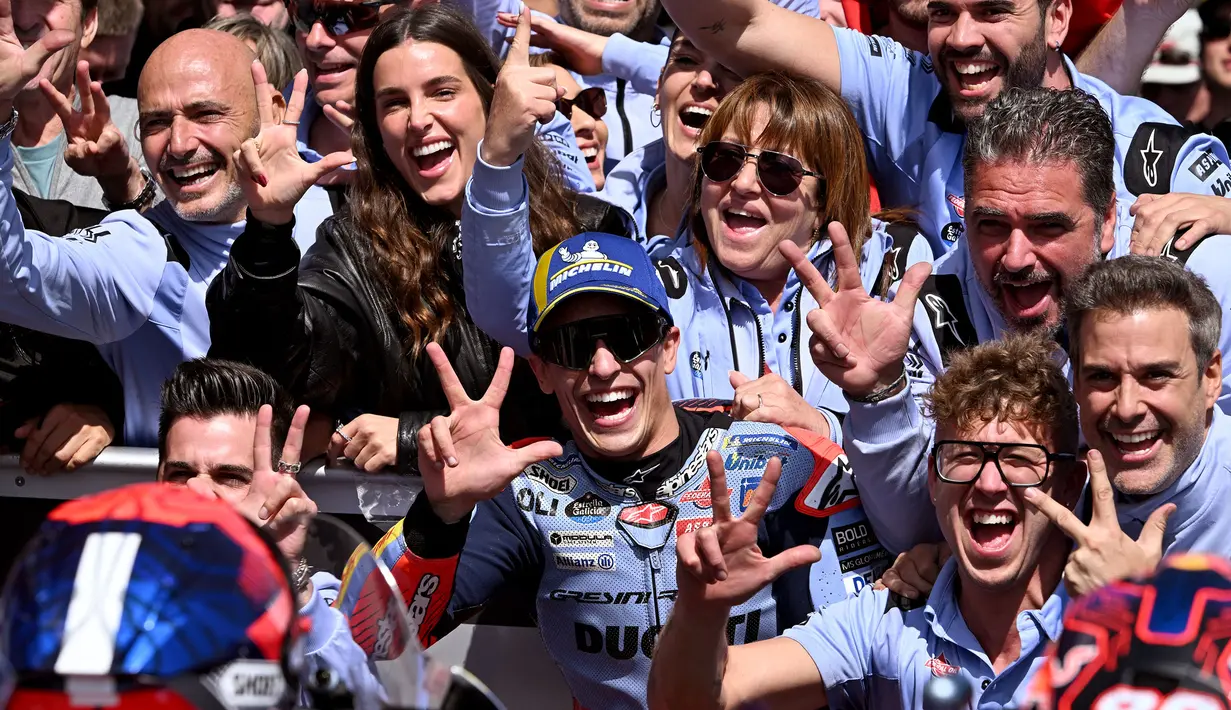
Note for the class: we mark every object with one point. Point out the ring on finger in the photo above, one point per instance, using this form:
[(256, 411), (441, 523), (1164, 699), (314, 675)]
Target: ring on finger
[(339, 432), (760, 402), (291, 468), (290, 123)]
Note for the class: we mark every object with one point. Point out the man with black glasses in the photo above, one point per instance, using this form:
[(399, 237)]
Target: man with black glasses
[(1006, 436), (590, 527)]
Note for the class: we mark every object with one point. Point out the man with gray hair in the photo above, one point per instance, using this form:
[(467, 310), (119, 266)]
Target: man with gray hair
[(1040, 209)]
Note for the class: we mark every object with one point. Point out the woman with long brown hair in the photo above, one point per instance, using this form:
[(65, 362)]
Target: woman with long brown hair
[(345, 330), (781, 159)]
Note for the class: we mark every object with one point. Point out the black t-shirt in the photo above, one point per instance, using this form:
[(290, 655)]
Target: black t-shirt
[(645, 475)]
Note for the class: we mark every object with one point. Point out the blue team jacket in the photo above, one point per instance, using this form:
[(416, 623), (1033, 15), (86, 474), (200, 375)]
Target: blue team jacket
[(725, 324), (890, 441), (915, 146), (124, 286)]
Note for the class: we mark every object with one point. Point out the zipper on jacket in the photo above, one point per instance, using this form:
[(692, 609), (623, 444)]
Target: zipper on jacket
[(628, 128), (795, 360), (731, 331)]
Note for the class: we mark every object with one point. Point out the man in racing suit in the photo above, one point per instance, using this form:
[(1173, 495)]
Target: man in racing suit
[(592, 525)]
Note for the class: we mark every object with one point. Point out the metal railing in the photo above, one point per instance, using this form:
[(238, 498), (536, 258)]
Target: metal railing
[(335, 489)]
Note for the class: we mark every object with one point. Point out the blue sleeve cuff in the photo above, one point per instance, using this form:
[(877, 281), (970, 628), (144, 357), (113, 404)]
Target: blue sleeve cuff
[(884, 422), (638, 63), (494, 189), (835, 425)]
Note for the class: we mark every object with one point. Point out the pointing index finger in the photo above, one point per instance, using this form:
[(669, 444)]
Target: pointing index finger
[(1063, 518)]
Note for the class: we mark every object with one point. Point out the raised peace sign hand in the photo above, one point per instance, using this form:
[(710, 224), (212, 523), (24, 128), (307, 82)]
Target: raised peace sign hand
[(722, 564), (461, 458), (858, 342), (274, 176), (96, 147), (525, 96), (1104, 553), (20, 65)]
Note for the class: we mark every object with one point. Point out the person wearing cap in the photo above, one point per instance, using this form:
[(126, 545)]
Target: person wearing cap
[(1173, 79), (589, 527)]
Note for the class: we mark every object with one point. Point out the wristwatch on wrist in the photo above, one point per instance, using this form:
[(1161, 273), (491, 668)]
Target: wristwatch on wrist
[(883, 393), (143, 200), (7, 128)]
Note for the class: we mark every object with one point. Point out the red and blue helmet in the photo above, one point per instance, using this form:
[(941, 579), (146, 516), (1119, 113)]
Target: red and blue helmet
[(1157, 643), (148, 596)]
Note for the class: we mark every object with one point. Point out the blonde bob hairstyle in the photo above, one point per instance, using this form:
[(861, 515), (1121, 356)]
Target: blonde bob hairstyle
[(806, 120)]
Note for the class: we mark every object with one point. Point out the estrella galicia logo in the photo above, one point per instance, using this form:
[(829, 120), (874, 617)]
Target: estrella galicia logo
[(590, 508), (699, 363), (952, 231)]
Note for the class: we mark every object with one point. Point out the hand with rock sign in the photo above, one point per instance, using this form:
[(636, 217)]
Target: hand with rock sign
[(96, 147), (461, 457), (21, 66), (858, 342), (1103, 553), (274, 176), (525, 96), (581, 50), (722, 564), (275, 501)]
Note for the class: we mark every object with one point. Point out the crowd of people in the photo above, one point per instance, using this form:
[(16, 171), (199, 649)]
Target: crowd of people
[(778, 354)]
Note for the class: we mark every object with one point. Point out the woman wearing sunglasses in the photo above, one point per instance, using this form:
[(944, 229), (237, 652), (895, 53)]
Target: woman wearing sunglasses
[(346, 330), (782, 161), (584, 108)]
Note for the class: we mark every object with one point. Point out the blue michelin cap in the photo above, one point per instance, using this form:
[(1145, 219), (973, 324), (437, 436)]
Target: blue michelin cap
[(595, 262)]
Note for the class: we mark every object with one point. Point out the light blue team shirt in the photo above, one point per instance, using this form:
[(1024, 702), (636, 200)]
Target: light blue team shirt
[(40, 161), (915, 145), (874, 656)]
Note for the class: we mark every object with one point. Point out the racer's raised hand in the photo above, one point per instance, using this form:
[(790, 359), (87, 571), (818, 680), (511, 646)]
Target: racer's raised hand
[(858, 342), (461, 457), (525, 97), (1104, 553), (722, 564)]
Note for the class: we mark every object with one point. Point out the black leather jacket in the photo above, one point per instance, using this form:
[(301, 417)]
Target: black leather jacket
[(329, 333)]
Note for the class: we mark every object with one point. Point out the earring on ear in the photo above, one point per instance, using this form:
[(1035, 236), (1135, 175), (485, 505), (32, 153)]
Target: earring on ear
[(1057, 47), (656, 116)]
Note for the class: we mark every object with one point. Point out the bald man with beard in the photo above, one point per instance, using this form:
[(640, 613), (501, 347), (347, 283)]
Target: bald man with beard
[(134, 285)]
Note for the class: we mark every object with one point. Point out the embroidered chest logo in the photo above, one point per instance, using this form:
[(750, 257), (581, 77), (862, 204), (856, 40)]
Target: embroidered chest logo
[(1149, 161), (940, 667)]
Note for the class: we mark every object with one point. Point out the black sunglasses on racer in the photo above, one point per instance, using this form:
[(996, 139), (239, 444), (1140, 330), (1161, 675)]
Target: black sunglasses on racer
[(336, 19), (627, 336), (780, 174)]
